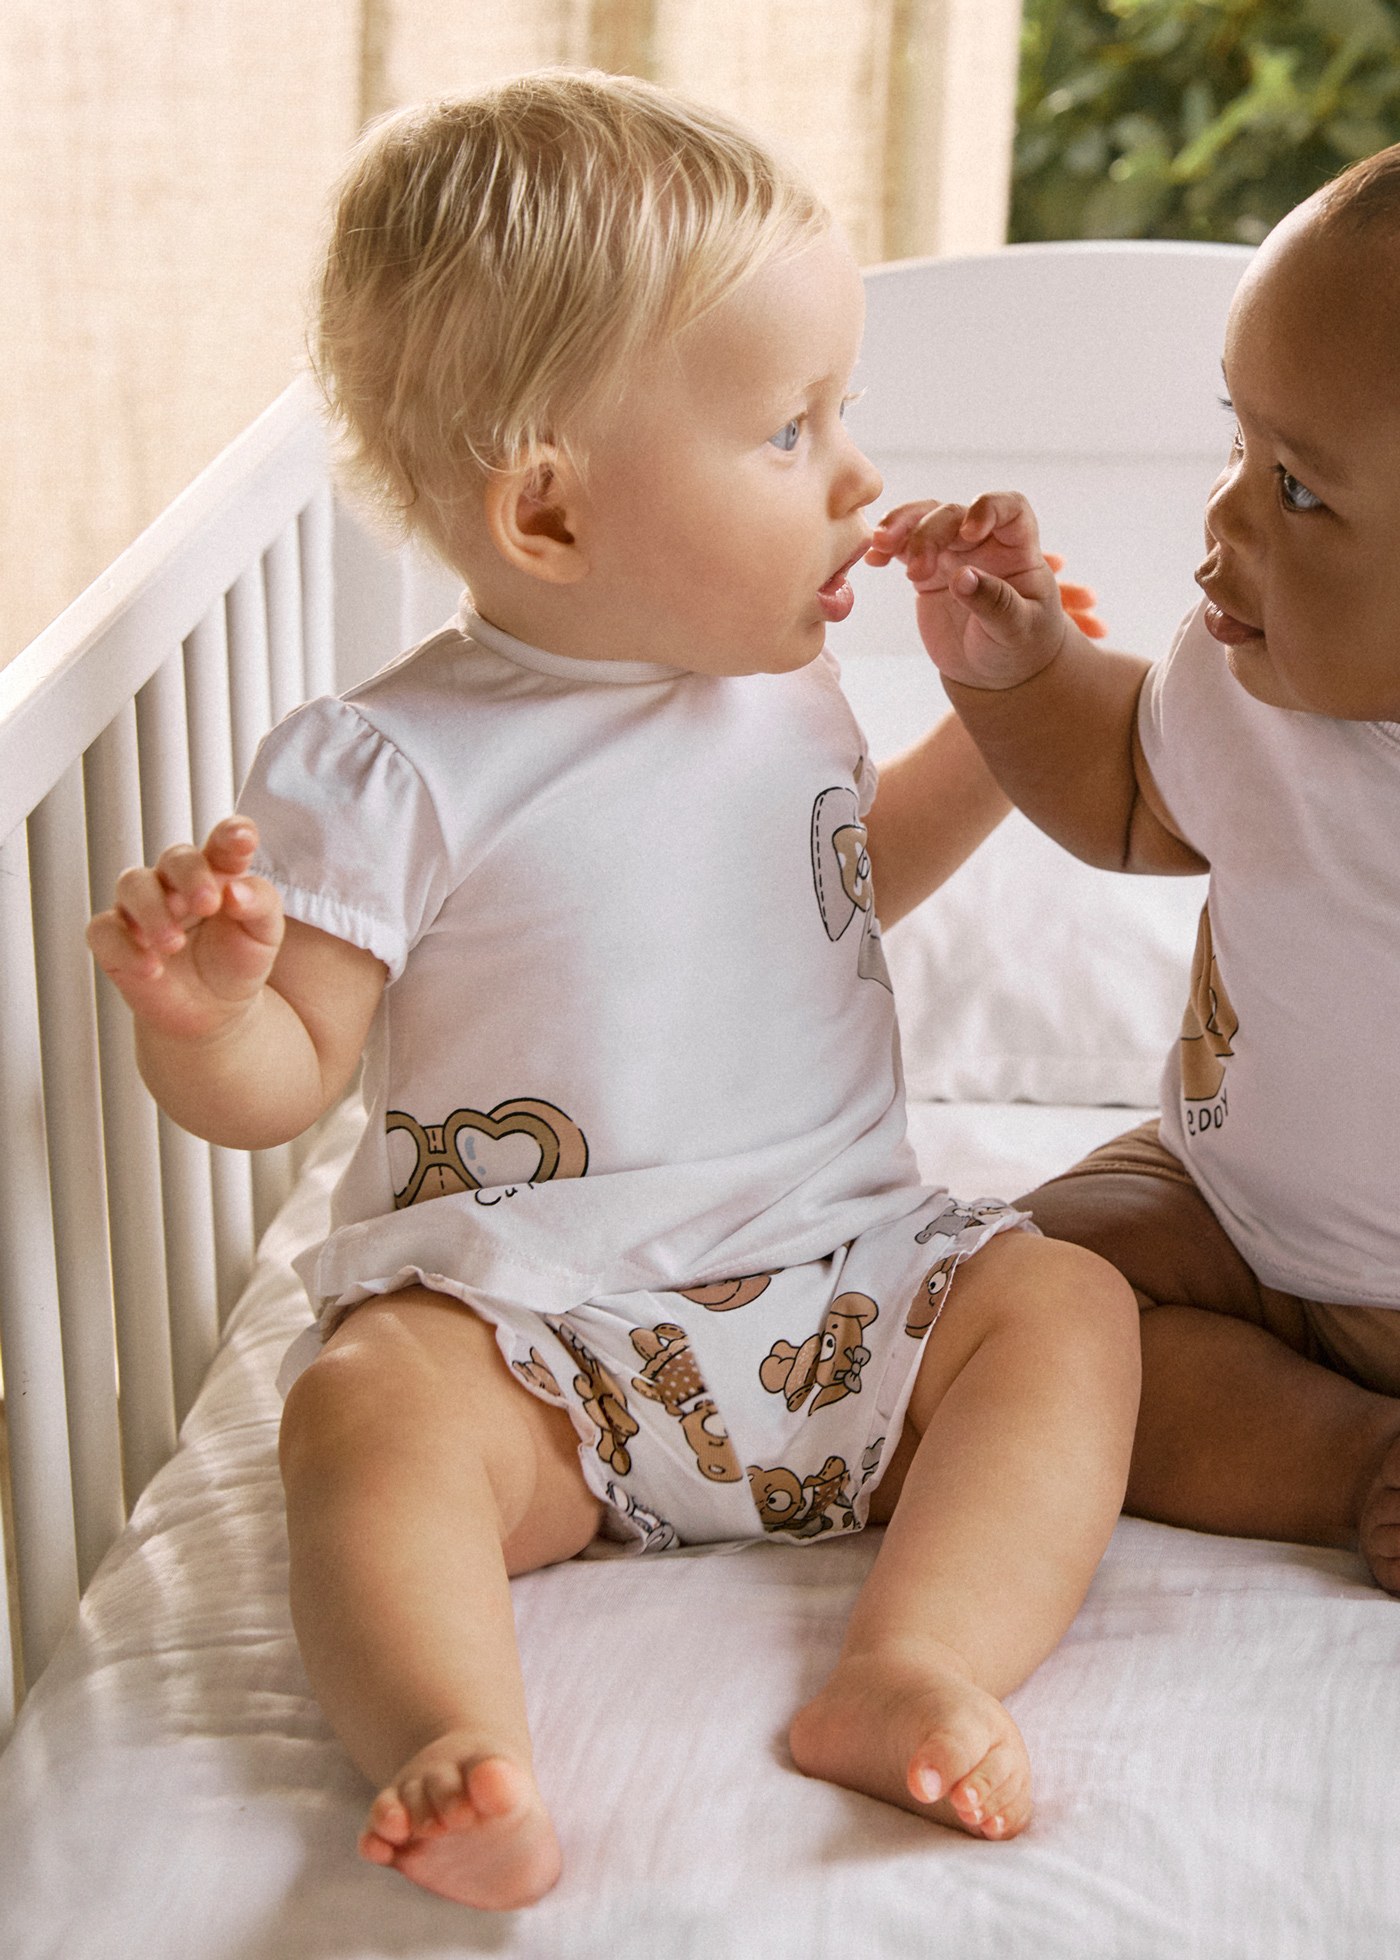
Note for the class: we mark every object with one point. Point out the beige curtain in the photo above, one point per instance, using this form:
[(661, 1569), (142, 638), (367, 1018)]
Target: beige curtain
[(163, 171)]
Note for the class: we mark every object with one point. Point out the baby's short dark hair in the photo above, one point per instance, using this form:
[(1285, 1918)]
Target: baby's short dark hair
[(1365, 197)]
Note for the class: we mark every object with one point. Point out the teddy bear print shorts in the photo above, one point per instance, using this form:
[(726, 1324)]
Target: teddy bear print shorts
[(759, 1404)]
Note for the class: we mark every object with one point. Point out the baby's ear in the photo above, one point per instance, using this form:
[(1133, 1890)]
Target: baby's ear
[(532, 515)]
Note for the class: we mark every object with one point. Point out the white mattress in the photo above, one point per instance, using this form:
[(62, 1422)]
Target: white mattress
[(1217, 1742)]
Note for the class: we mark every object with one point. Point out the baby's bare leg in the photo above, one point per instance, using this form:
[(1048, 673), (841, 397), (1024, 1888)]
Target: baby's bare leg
[(1001, 1498), (419, 1475), (1238, 1433)]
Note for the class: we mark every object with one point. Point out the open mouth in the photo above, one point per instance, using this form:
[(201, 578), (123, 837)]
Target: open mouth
[(1227, 627), (835, 597)]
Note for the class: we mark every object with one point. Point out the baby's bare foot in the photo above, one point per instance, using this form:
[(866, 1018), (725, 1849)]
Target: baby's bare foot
[(913, 1729), (1379, 1527), (471, 1830)]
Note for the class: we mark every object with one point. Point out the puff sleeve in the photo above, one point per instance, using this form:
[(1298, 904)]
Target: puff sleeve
[(348, 830)]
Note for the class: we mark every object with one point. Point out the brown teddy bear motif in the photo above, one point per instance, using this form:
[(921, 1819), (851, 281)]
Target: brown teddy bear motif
[(1209, 1024), (927, 1302), (842, 877), (603, 1401), (802, 1508), (723, 1295), (671, 1376), (537, 1374), (829, 1361), (942, 1234), (524, 1141), (656, 1533)]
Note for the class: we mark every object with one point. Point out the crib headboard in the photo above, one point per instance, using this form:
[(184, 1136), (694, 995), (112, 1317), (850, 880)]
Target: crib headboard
[(1080, 373), (126, 726)]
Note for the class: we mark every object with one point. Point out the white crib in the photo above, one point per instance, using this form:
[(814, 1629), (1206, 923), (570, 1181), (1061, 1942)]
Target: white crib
[(1218, 1740)]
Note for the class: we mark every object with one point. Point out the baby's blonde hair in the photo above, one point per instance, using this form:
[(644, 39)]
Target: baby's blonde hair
[(498, 261)]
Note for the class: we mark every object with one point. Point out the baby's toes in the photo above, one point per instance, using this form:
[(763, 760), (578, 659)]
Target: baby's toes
[(497, 1788), (994, 1801), (388, 1819), (990, 1799), (444, 1794), (387, 1828), (1380, 1523)]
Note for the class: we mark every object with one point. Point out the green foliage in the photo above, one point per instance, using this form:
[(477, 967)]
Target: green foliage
[(1195, 118)]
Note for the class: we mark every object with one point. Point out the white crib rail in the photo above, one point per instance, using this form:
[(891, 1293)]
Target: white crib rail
[(122, 1240)]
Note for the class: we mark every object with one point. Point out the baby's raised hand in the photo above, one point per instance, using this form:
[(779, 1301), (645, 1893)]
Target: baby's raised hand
[(190, 941), (989, 609)]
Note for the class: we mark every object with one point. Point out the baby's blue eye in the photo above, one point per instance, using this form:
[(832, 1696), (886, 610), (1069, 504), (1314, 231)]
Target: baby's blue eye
[(787, 437), (1296, 495)]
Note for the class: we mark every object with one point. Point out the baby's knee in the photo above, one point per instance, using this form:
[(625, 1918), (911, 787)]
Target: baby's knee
[(1038, 1267), (1062, 1295), (326, 1410)]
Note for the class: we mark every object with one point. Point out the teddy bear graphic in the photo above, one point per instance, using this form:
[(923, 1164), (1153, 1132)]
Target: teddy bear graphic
[(604, 1403), (829, 1361), (657, 1534), (723, 1295), (803, 1507), (537, 1374), (941, 1237), (929, 1296), (1209, 1024), (842, 877), (671, 1376), (523, 1142)]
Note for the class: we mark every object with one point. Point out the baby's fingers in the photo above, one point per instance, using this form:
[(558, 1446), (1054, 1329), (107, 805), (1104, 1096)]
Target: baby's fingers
[(1004, 616), (196, 879), (1081, 603), (255, 907), (122, 956), (160, 903), (896, 527), (1003, 514), (230, 845), (151, 909)]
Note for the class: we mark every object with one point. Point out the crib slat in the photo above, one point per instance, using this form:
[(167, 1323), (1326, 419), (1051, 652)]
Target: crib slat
[(265, 633), (273, 1174), (285, 621), (166, 818), (60, 692), (45, 1551), (132, 1144), (73, 1099), (250, 690), (316, 526), (210, 730), (210, 736)]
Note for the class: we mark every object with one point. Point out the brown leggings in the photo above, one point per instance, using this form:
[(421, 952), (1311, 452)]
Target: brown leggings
[(1135, 1203)]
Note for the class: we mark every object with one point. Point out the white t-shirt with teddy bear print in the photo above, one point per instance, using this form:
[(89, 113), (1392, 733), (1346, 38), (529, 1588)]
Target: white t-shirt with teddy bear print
[(1282, 1096), (638, 1030)]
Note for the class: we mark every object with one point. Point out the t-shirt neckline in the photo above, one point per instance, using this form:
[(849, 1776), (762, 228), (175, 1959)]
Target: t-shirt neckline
[(563, 666)]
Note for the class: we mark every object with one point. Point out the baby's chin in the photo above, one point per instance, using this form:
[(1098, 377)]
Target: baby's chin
[(1259, 675), (1248, 660)]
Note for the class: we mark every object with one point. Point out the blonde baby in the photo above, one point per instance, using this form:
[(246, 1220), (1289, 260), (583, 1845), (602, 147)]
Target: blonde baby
[(633, 1244)]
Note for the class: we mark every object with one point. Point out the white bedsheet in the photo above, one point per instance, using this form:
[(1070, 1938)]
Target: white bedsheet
[(1217, 1742)]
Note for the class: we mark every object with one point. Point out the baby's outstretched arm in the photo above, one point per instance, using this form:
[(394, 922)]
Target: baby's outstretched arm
[(1054, 716), (248, 1026), (934, 805)]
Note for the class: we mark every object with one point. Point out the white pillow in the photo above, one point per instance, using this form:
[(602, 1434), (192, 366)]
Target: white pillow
[(1029, 977)]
